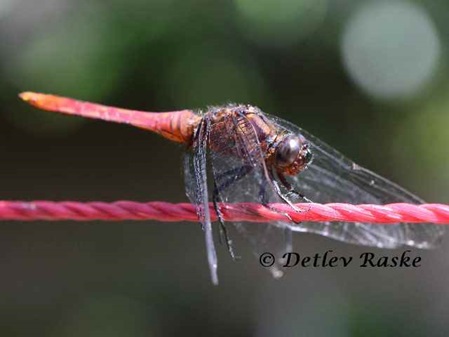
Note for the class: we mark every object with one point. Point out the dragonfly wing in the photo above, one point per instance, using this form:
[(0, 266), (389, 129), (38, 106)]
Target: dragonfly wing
[(331, 177), (240, 175), (196, 189)]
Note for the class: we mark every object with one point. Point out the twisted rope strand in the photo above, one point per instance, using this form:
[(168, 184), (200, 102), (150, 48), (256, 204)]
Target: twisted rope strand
[(250, 212)]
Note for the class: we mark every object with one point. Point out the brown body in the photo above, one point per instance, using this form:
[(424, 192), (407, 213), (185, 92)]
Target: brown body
[(230, 123)]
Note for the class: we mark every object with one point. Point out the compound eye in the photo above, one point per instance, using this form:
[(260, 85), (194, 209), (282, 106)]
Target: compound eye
[(287, 151), (308, 156)]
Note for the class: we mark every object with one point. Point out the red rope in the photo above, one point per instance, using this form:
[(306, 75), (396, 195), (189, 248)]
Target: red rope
[(168, 212)]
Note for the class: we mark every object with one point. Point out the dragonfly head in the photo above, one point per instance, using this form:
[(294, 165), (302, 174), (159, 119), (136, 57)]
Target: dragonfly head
[(292, 155)]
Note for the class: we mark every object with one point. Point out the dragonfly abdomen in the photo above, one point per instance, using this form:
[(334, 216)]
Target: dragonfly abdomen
[(177, 126)]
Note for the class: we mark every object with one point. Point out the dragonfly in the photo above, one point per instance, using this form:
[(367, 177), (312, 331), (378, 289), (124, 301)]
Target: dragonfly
[(237, 153)]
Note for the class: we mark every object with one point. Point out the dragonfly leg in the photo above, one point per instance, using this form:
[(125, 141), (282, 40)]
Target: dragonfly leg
[(235, 175), (280, 194), (215, 201), (262, 196), (290, 190), (223, 230)]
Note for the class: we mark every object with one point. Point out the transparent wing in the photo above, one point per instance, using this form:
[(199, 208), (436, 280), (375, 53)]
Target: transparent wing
[(240, 175), (195, 172), (331, 177)]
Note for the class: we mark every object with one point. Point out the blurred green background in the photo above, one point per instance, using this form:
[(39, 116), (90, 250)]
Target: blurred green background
[(369, 77)]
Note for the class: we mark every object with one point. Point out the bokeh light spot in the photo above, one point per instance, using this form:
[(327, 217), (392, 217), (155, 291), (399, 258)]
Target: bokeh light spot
[(5, 7), (390, 49)]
